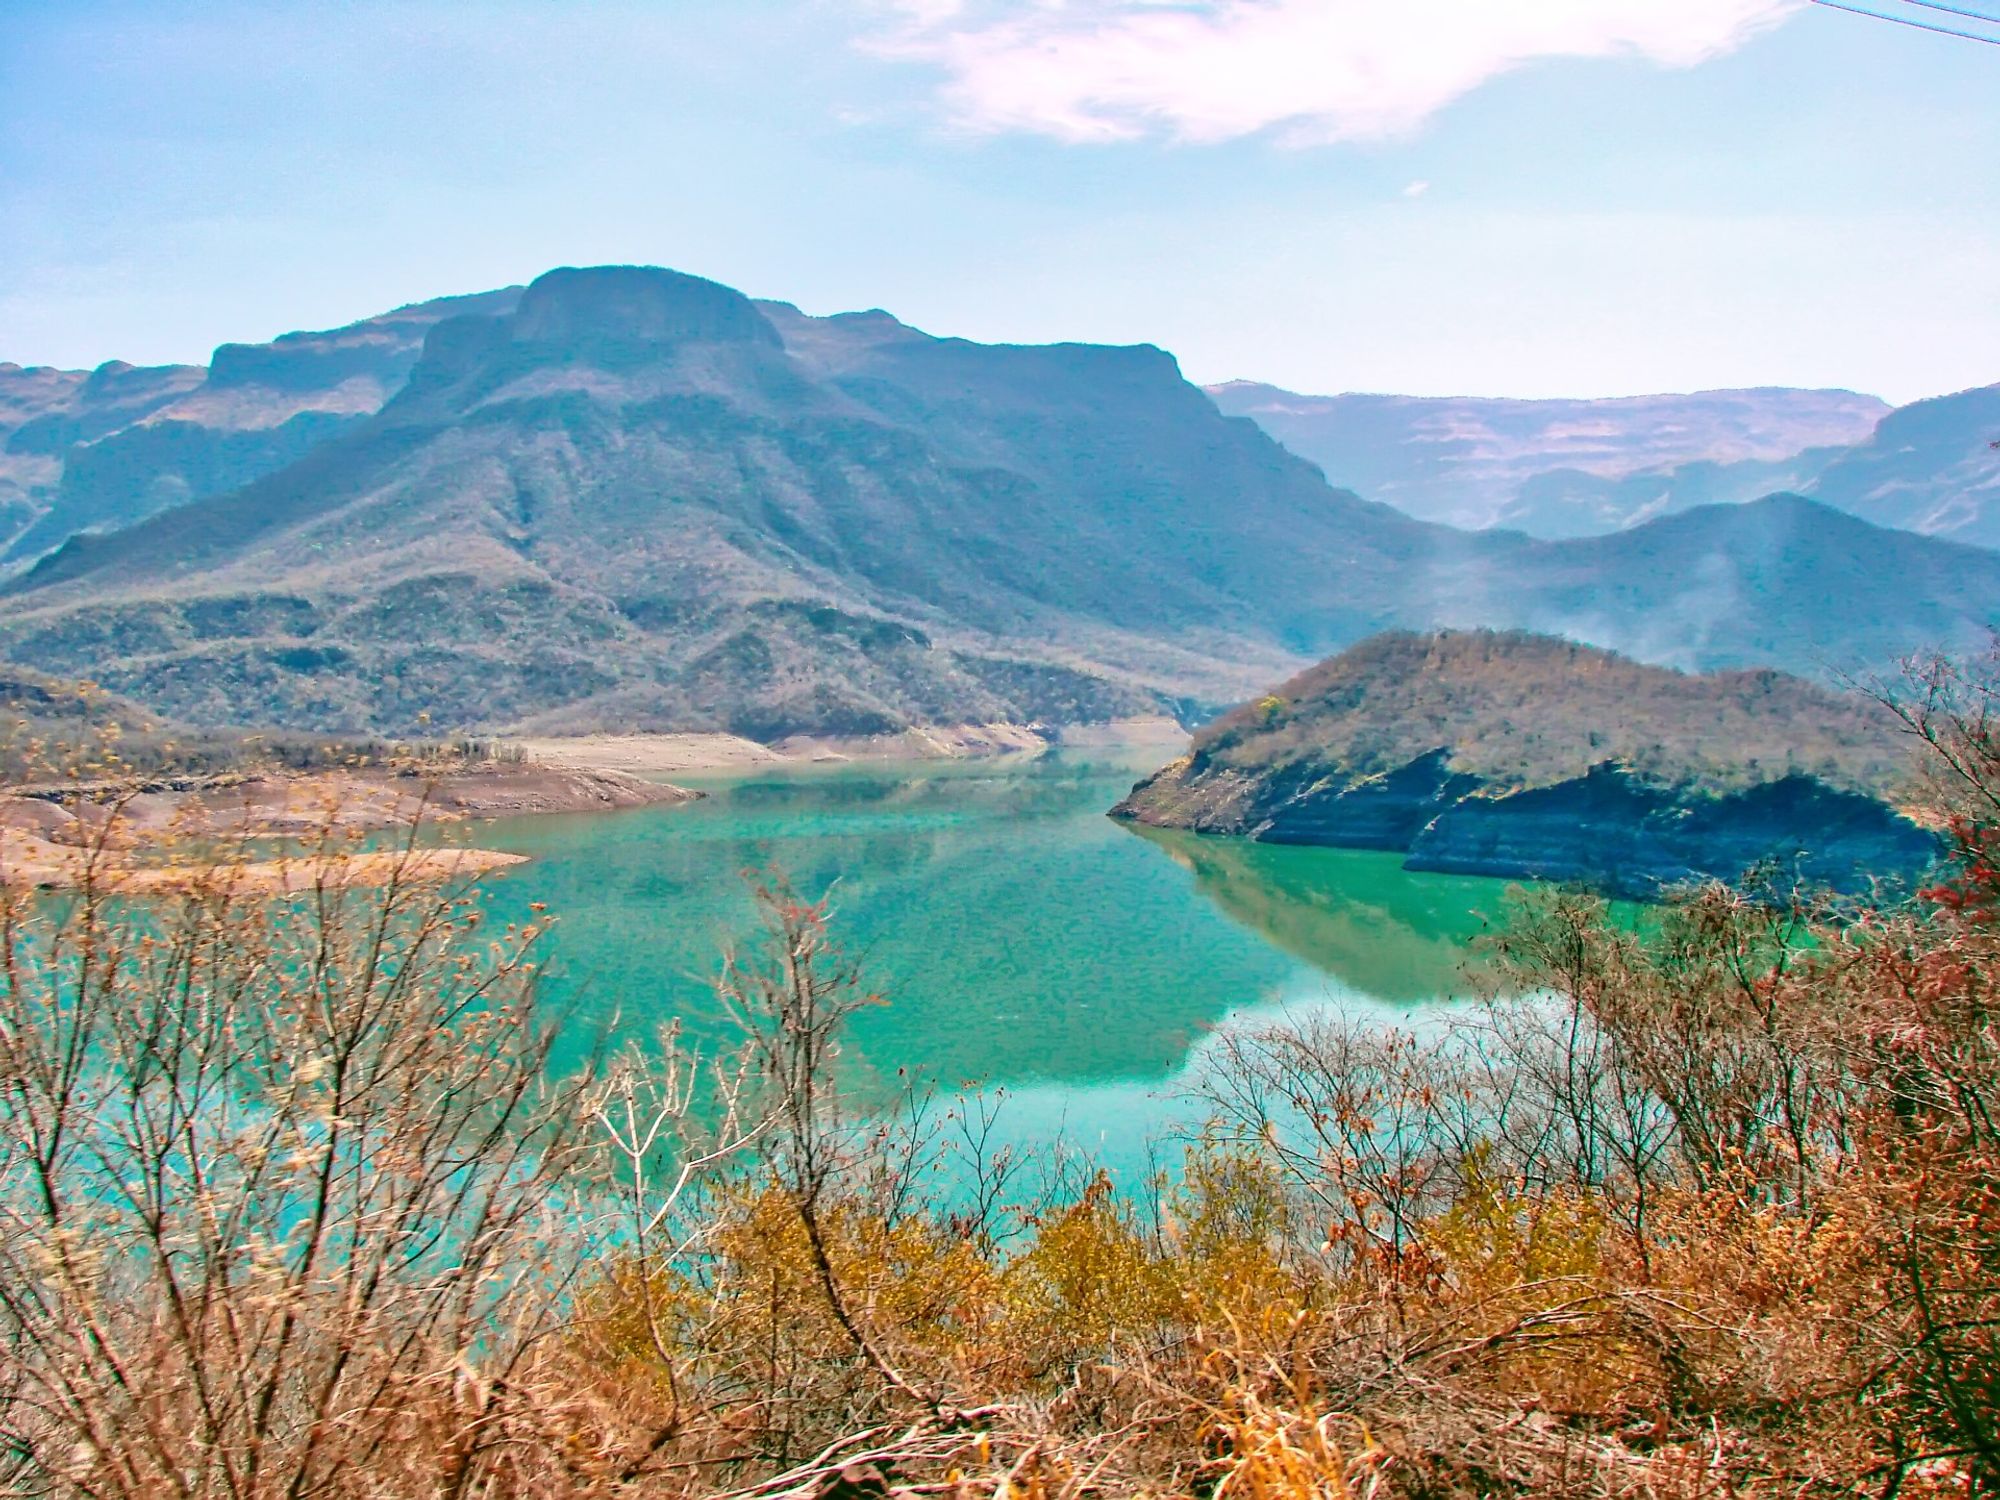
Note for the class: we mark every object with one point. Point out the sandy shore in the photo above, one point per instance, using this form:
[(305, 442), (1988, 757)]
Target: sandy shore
[(666, 754), (26, 859), (43, 837), (132, 839), (648, 754)]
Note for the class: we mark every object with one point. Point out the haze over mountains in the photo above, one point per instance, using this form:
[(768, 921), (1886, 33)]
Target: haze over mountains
[(630, 498), (1584, 468), (94, 451)]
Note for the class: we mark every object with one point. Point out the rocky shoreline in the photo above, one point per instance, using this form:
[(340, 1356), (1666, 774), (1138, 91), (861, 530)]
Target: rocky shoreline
[(1608, 828)]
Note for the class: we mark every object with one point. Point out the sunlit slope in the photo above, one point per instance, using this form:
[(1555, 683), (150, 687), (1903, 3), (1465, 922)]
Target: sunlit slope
[(638, 499)]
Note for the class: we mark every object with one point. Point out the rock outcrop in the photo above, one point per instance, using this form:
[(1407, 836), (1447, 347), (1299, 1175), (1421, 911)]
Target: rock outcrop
[(1553, 765)]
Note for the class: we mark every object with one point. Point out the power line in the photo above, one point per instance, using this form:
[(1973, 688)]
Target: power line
[(1876, 15), (1954, 10)]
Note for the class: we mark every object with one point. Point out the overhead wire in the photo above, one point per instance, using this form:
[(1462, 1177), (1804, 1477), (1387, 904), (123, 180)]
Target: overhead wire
[(1956, 10), (1920, 25)]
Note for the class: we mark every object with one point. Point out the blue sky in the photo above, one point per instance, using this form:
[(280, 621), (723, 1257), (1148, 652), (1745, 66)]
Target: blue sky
[(1506, 197)]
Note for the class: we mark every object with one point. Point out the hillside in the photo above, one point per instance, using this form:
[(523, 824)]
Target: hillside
[(632, 502), (627, 498), (1560, 468), (1518, 754), (87, 453), (1932, 467), (1783, 582)]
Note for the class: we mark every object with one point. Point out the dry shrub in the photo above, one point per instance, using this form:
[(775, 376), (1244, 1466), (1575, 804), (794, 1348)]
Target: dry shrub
[(291, 1204)]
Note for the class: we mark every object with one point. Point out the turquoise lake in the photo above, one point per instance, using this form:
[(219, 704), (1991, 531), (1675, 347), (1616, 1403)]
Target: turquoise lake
[(1023, 939)]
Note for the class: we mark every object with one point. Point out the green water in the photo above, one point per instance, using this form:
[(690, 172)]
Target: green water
[(1023, 939)]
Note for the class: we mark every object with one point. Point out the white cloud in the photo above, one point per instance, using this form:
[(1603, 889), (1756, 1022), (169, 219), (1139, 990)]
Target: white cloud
[(1417, 189), (1312, 70)]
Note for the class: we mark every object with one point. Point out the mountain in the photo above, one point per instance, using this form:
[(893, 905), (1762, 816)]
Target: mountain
[(82, 453), (1783, 581), (1564, 467), (1524, 755), (1933, 467), (45, 412), (633, 499), (1573, 503), (626, 497)]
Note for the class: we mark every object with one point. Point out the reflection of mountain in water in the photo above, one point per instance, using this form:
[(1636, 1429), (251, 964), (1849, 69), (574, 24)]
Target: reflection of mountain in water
[(1360, 917), (1019, 934)]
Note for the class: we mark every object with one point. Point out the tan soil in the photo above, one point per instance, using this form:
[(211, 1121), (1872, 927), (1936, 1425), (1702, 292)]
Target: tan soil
[(663, 754), (649, 753), (28, 860), (43, 841)]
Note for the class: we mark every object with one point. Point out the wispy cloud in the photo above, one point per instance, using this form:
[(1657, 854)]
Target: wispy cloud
[(1311, 71)]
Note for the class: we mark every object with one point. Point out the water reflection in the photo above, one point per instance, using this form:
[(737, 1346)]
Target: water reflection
[(1355, 915), (1023, 938)]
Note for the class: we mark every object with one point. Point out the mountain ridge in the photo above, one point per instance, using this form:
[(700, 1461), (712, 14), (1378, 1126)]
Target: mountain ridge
[(1560, 467), (625, 497)]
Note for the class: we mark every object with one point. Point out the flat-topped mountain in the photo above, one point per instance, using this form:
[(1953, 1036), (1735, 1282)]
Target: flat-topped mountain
[(1525, 755), (1561, 468), (632, 501), (1933, 467), (85, 453), (629, 498)]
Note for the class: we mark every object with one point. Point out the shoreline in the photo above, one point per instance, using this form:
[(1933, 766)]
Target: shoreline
[(44, 830), (53, 838), (667, 753)]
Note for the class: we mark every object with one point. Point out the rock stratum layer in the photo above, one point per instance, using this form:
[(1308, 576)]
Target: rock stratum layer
[(1525, 756)]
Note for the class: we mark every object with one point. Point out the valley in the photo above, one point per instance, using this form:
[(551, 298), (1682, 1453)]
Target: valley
[(948, 750)]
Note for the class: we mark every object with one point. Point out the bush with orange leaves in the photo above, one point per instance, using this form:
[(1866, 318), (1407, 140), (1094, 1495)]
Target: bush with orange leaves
[(290, 1204)]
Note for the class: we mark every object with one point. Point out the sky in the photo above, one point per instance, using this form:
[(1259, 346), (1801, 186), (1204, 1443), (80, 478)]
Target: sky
[(1490, 197)]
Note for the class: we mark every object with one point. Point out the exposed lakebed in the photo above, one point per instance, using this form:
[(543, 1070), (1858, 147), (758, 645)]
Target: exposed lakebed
[(1021, 937)]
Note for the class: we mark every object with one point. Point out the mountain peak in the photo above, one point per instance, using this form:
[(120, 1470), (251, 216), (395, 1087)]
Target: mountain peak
[(635, 305)]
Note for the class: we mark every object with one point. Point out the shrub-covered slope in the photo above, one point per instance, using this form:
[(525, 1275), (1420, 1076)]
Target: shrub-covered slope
[(1516, 754)]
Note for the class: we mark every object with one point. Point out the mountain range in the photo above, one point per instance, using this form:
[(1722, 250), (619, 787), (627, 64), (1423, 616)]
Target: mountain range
[(90, 451), (1588, 467), (627, 498)]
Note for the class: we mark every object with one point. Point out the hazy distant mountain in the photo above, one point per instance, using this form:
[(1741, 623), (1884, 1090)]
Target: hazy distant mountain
[(97, 451), (1782, 581), (1560, 468), (44, 413), (1933, 467), (1573, 503), (635, 498)]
